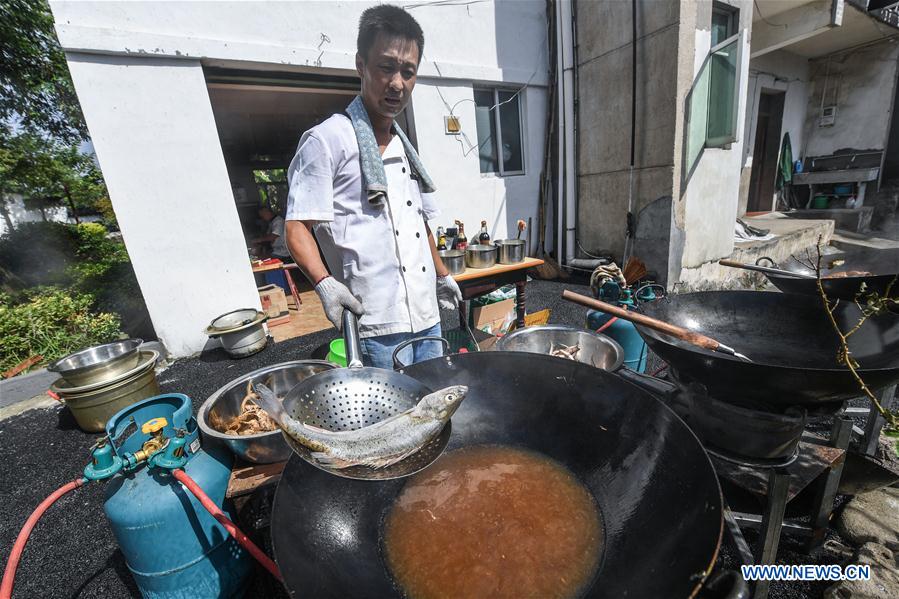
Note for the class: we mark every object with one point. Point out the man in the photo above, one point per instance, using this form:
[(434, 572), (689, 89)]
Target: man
[(274, 234), (359, 185)]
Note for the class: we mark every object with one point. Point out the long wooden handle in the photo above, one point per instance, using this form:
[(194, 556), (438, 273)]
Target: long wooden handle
[(765, 269), (681, 333)]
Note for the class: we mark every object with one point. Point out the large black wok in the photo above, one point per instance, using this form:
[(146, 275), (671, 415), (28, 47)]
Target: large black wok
[(787, 336), (655, 485), (882, 264)]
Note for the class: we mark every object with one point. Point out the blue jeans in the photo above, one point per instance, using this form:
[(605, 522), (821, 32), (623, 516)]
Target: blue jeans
[(378, 351)]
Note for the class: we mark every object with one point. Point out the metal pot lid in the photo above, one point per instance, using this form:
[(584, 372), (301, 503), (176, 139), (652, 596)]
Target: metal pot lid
[(95, 356), (236, 320), (480, 248), (147, 361), (509, 242)]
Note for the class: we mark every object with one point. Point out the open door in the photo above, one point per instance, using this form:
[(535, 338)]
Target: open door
[(765, 151)]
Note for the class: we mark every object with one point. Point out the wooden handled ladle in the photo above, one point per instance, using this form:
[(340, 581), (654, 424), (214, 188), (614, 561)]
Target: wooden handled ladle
[(692, 337)]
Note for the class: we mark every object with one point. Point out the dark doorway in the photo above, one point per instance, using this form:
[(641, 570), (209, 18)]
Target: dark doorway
[(891, 160), (766, 151)]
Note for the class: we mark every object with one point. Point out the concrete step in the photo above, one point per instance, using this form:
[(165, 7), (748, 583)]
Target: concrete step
[(849, 240), (848, 219)]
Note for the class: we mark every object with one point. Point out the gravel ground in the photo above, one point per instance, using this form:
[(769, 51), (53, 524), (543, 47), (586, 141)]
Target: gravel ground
[(72, 552)]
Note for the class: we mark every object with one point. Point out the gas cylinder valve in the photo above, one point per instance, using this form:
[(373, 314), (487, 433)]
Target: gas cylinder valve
[(156, 442), (104, 462), (174, 455)]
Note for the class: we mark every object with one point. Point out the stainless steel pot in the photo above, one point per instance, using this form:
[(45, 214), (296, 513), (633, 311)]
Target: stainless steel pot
[(480, 256), (511, 251), (92, 405), (453, 260), (98, 364), (595, 349), (240, 331), (224, 404)]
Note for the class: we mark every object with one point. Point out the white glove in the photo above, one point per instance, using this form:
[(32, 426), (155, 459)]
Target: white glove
[(336, 298), (448, 293)]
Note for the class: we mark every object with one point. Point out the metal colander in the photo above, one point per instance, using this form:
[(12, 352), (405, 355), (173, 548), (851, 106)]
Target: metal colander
[(346, 399)]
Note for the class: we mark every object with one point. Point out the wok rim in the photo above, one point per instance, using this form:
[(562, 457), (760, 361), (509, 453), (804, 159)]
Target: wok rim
[(684, 346)]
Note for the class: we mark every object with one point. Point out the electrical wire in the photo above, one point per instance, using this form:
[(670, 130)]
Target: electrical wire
[(439, 3), (762, 17)]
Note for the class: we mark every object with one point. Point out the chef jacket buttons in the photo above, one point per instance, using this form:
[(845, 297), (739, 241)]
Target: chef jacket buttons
[(404, 169), (397, 232), (404, 269), (423, 269), (408, 202), (417, 234)]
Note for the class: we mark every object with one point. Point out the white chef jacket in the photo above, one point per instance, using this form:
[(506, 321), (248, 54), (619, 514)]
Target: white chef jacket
[(380, 252)]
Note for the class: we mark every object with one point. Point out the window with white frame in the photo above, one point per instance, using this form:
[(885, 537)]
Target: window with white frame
[(713, 101), (498, 118)]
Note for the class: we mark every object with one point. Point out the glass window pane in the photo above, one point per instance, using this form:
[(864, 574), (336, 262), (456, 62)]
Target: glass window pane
[(722, 67), (720, 26), (698, 101), (510, 127), (486, 126)]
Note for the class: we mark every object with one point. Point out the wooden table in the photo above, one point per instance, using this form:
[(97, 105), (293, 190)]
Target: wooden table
[(285, 267), (474, 282)]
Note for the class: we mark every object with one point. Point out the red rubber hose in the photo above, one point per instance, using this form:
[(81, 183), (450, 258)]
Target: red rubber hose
[(607, 325), (232, 529), (9, 574)]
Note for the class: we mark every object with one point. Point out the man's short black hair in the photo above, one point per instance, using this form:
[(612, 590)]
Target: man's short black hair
[(389, 20)]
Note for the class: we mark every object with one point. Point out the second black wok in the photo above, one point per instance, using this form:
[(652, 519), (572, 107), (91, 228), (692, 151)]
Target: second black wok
[(787, 336)]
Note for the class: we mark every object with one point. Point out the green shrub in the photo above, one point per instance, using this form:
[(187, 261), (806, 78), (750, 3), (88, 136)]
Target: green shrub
[(38, 253), (52, 323)]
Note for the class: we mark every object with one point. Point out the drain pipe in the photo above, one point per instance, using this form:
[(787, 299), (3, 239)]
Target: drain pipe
[(560, 136), (566, 23), (566, 205)]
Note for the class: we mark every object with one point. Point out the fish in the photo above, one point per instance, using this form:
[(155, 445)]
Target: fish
[(378, 445)]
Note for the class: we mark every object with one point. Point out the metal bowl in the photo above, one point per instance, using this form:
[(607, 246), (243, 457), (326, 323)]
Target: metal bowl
[(98, 364), (261, 448), (453, 260), (480, 256), (511, 251), (92, 405), (596, 349)]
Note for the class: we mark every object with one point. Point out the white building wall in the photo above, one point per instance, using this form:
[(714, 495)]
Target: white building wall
[(713, 190), (137, 71), (463, 192), (20, 213), (861, 84), (153, 130)]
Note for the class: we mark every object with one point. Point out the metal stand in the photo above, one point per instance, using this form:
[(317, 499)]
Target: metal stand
[(870, 436), (782, 484)]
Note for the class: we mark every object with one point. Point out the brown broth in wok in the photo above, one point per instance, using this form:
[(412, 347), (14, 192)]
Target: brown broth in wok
[(491, 521)]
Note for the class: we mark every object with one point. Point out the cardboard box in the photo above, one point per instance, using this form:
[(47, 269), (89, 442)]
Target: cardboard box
[(494, 318), (274, 304)]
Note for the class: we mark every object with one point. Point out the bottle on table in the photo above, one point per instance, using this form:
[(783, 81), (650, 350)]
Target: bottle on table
[(484, 236), (441, 238), (461, 240)]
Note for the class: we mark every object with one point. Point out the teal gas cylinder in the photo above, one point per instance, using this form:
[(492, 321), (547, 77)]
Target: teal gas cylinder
[(172, 545), (622, 331)]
